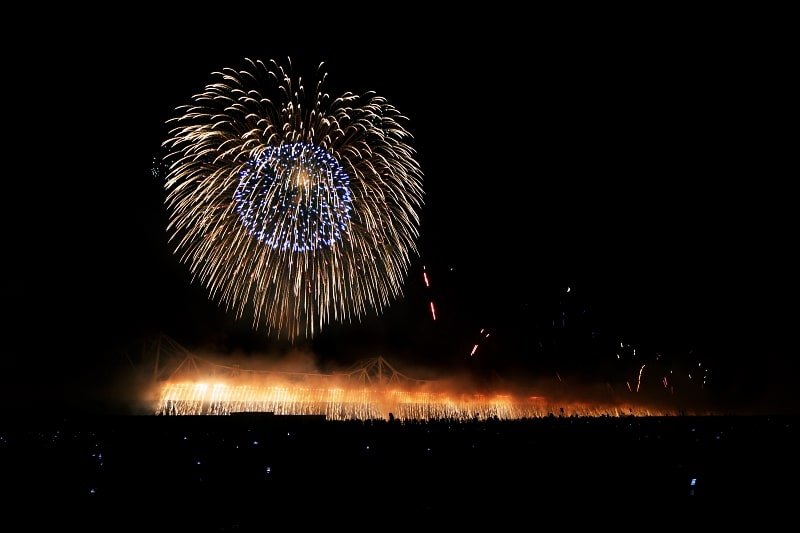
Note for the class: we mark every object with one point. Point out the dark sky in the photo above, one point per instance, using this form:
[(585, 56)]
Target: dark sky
[(638, 165)]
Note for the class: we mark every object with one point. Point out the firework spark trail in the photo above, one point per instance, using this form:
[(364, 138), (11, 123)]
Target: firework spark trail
[(428, 286), (483, 334), (639, 380), (302, 211)]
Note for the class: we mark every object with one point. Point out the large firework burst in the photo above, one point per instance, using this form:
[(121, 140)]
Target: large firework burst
[(301, 211)]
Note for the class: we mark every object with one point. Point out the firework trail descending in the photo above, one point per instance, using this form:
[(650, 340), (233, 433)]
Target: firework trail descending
[(301, 211)]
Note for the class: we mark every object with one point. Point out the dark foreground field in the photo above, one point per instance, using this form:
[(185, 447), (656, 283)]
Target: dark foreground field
[(262, 472)]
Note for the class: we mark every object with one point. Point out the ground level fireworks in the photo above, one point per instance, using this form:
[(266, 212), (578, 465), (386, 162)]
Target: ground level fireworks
[(184, 384), (188, 398)]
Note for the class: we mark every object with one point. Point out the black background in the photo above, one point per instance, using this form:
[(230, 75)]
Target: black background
[(638, 159)]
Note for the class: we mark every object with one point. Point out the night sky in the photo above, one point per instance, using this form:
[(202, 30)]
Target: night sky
[(592, 192)]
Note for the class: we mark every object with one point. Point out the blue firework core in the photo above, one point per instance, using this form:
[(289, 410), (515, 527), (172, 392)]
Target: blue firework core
[(294, 197)]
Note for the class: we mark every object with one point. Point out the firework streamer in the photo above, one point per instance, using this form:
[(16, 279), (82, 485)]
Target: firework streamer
[(299, 209), (427, 286), (483, 335)]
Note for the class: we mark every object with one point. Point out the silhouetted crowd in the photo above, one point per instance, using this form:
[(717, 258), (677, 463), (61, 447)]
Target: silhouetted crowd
[(241, 472)]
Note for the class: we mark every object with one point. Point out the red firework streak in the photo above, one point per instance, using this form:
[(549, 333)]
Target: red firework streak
[(428, 285)]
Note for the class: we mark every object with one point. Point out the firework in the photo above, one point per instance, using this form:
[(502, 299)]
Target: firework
[(299, 210)]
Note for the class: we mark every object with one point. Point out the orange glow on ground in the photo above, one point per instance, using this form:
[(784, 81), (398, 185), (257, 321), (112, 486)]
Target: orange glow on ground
[(365, 403)]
